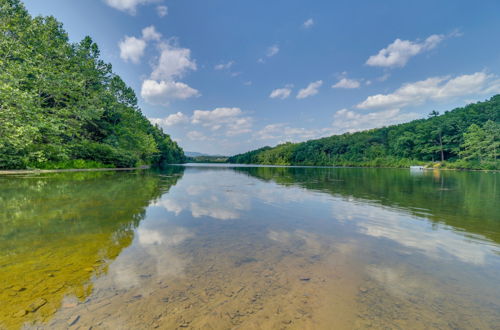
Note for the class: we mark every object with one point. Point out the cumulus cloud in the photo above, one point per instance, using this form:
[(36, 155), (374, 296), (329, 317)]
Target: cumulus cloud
[(435, 89), (350, 121), (150, 33), (308, 23), (171, 120), (224, 66), (399, 52), (173, 62), (347, 83), (128, 6), (209, 124), (310, 90), (282, 132), (162, 11), (281, 93), (231, 120), (132, 49), (160, 92)]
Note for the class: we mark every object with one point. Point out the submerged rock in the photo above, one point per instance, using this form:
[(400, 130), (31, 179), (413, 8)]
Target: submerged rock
[(73, 320), (363, 289), (20, 313), (36, 304)]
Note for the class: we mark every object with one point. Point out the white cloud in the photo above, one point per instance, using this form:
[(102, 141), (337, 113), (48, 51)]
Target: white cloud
[(310, 90), (281, 93), (129, 6), (173, 62), (284, 133), (239, 126), (273, 50), (347, 83), (150, 33), (196, 136), (229, 120), (435, 89), (171, 120), (132, 49), (224, 66), (162, 11), (308, 23), (160, 92), (209, 117), (400, 51), (349, 121)]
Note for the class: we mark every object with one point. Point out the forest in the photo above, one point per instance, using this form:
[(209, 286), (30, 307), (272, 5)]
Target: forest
[(61, 106), (464, 138)]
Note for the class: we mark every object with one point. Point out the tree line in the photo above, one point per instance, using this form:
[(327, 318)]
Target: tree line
[(467, 137), (62, 106)]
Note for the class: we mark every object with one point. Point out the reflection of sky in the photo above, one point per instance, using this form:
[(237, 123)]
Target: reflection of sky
[(311, 240), (222, 196), (293, 217), (227, 195), (435, 241), (153, 253)]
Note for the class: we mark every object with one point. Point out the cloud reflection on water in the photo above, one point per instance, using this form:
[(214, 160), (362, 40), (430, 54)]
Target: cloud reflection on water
[(155, 254), (435, 241)]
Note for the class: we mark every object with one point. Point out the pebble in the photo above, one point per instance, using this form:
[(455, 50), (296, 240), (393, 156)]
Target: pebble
[(21, 313), (305, 279), (36, 304), (69, 305), (18, 288), (73, 320)]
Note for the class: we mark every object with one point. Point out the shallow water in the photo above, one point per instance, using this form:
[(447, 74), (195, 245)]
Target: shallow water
[(211, 247)]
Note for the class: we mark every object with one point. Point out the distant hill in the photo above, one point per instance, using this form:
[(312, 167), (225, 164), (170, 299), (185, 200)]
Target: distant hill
[(199, 154), (194, 154), (467, 137)]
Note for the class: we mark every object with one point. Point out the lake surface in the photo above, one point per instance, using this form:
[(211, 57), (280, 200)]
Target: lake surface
[(215, 247)]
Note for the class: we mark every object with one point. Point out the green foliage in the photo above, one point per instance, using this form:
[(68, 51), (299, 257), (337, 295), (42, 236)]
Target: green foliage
[(467, 138), (481, 143), (69, 164), (57, 98)]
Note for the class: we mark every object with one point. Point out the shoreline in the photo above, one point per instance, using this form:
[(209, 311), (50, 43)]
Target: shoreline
[(12, 172), (339, 166), (146, 167)]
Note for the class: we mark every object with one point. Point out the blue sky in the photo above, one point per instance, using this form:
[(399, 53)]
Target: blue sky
[(228, 76)]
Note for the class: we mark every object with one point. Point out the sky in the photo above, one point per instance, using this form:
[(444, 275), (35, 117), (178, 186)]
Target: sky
[(224, 77)]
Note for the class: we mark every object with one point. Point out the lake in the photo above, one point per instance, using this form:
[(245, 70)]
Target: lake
[(220, 247)]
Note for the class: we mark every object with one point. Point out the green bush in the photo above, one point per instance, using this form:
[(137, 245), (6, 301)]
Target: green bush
[(105, 154), (69, 164)]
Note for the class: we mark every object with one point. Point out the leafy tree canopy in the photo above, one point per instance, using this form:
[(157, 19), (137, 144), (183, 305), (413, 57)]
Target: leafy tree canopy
[(60, 102)]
